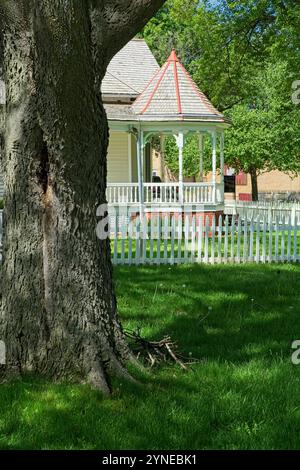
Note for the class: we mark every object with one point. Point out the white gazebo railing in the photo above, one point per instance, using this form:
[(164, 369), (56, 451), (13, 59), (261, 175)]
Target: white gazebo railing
[(198, 192), (122, 193), (161, 193), (169, 194)]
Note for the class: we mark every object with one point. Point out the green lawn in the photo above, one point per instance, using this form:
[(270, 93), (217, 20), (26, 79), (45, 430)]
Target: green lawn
[(244, 394)]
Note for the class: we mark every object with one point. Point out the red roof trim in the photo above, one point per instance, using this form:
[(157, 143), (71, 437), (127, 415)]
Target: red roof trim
[(203, 98), (177, 88), (147, 86), (155, 88)]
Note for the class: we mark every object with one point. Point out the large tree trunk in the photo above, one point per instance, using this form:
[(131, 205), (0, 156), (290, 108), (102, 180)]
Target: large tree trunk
[(58, 314), (254, 184)]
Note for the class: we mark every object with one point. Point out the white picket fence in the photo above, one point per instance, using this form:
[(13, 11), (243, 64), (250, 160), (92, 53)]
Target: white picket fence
[(173, 239), (169, 239), (263, 210)]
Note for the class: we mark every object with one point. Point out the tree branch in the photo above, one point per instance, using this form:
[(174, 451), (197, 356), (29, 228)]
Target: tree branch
[(115, 22)]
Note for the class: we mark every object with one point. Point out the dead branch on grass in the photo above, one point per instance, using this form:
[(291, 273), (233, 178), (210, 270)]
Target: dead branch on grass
[(155, 352)]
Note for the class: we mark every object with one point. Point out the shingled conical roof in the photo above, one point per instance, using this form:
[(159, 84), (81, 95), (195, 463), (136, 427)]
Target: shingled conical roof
[(172, 94)]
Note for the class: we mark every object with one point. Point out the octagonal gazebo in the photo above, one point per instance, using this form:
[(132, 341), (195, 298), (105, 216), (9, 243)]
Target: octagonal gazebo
[(172, 104)]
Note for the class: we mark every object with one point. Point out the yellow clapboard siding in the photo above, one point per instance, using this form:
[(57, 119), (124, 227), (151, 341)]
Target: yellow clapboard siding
[(117, 159)]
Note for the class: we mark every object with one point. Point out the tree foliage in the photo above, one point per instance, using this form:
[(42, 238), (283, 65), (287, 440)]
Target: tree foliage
[(245, 56), (265, 134), (191, 156)]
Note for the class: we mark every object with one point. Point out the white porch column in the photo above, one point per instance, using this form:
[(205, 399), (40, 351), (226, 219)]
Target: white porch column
[(162, 156), (222, 156), (214, 164), (222, 162), (129, 157), (139, 153), (180, 144), (201, 153)]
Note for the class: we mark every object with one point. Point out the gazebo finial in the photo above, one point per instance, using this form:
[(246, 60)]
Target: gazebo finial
[(173, 57)]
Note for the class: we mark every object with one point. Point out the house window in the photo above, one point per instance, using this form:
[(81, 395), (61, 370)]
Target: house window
[(241, 179), (229, 184)]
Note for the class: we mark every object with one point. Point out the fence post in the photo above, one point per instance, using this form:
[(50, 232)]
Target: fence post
[(213, 238), (206, 240), (293, 215), (220, 232), (200, 238)]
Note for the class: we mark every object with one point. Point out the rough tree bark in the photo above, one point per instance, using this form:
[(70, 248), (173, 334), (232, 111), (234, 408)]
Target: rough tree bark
[(58, 312), (254, 184)]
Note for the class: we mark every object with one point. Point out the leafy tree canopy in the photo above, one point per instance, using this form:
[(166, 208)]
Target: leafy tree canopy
[(245, 55), (265, 134)]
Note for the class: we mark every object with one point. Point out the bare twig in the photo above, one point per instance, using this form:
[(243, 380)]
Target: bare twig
[(155, 352)]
